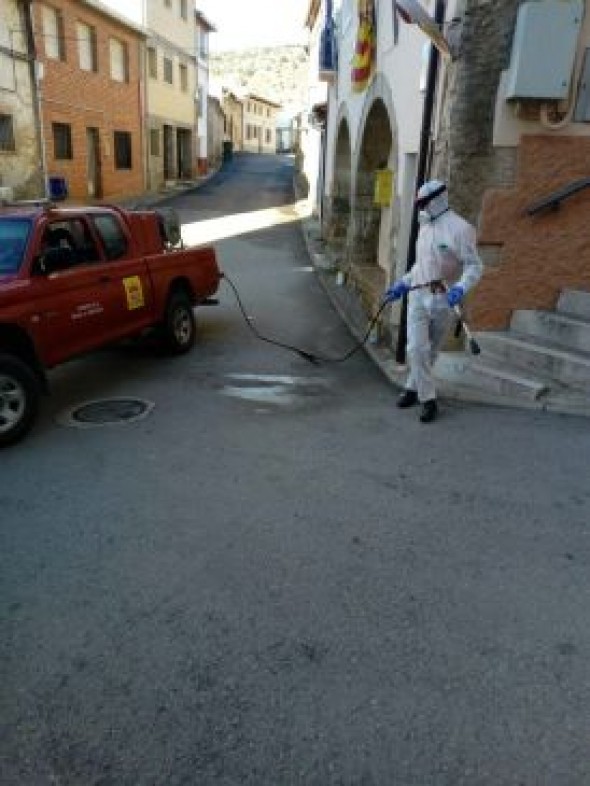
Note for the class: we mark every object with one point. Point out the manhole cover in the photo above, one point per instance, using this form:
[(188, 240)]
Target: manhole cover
[(106, 412)]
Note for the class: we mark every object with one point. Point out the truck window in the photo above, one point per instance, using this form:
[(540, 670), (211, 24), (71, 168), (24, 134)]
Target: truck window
[(112, 236), (14, 233), (72, 234)]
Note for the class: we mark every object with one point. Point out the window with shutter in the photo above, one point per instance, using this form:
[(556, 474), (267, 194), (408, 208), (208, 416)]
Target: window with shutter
[(87, 49), (168, 71), (53, 33), (152, 62), (183, 71), (119, 61)]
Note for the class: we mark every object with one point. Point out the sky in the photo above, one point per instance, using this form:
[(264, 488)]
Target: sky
[(242, 24)]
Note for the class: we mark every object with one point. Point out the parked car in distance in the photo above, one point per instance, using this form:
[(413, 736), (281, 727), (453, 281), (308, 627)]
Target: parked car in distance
[(73, 279)]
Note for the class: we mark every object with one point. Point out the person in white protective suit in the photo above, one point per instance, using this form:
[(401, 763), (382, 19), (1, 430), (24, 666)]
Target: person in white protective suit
[(447, 267)]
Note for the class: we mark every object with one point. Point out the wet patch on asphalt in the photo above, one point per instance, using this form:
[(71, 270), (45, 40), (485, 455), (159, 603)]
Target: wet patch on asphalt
[(277, 392)]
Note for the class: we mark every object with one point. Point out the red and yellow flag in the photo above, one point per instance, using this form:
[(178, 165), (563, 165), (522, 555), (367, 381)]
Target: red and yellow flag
[(363, 63)]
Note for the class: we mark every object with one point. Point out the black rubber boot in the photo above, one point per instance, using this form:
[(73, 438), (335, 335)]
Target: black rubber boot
[(407, 399), (429, 411)]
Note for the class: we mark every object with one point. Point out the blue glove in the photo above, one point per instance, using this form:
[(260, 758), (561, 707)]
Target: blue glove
[(455, 295), (396, 291)]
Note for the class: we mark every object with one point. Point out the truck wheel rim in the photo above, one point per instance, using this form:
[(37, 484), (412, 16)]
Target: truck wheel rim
[(182, 326), (13, 401)]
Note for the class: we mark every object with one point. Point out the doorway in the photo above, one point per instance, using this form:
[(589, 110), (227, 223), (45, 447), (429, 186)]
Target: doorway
[(169, 171), (183, 153), (94, 173)]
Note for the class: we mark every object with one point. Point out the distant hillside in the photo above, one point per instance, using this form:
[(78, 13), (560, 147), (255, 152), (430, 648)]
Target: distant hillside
[(279, 73)]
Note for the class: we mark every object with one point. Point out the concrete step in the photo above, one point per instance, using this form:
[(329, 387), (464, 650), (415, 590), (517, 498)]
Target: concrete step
[(574, 302), (556, 328), (541, 358), (490, 376)]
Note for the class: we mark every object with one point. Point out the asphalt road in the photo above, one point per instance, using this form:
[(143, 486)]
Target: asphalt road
[(278, 578)]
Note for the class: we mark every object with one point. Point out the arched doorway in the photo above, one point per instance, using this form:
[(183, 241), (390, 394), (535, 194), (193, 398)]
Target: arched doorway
[(338, 211), (371, 224)]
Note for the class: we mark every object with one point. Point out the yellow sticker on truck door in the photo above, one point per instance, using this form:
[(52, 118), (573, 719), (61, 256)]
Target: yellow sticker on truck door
[(134, 292)]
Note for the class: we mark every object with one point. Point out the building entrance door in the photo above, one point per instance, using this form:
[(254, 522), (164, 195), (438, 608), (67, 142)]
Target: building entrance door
[(169, 168), (183, 152), (94, 175)]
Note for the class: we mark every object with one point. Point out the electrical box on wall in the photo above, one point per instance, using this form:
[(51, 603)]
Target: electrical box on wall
[(544, 49)]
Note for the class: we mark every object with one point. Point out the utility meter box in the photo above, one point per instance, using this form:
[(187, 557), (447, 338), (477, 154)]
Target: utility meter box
[(544, 49)]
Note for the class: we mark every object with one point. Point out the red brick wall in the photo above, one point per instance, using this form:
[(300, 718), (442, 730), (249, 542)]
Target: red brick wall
[(87, 99), (540, 255)]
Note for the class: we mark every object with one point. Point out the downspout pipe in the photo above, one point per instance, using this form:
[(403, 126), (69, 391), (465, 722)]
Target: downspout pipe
[(424, 160)]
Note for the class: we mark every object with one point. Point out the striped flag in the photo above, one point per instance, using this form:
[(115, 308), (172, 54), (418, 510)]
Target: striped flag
[(363, 63)]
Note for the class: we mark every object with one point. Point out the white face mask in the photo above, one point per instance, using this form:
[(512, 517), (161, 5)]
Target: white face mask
[(424, 217)]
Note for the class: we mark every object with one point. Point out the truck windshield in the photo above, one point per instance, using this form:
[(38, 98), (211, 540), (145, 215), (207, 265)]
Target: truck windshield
[(14, 233)]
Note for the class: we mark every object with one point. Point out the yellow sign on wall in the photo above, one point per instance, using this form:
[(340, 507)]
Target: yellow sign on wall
[(383, 187)]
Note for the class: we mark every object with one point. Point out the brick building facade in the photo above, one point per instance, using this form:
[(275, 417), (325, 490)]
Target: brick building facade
[(91, 98)]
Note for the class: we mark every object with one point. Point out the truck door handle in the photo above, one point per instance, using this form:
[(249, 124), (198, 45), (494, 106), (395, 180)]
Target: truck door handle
[(104, 279)]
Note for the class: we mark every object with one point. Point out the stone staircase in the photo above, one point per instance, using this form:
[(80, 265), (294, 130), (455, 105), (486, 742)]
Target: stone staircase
[(542, 361)]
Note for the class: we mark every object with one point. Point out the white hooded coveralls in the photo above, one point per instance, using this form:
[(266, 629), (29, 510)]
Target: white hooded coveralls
[(446, 251)]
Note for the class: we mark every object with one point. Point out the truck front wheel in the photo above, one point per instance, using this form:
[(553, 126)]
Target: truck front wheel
[(19, 399), (179, 323)]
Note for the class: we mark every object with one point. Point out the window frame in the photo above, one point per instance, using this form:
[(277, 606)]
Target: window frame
[(19, 258), (63, 146), (152, 58), (60, 51), (113, 42), (93, 46), (183, 77), (168, 61), (10, 145), (109, 254), (122, 157)]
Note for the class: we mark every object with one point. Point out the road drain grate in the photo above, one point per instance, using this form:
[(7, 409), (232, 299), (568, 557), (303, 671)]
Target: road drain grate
[(107, 412)]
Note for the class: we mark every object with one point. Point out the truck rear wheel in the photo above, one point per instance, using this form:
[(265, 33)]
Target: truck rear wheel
[(19, 399), (179, 326)]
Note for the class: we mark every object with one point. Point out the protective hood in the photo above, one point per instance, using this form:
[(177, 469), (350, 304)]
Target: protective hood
[(432, 200)]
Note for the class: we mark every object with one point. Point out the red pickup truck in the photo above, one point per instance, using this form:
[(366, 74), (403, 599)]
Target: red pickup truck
[(74, 279)]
